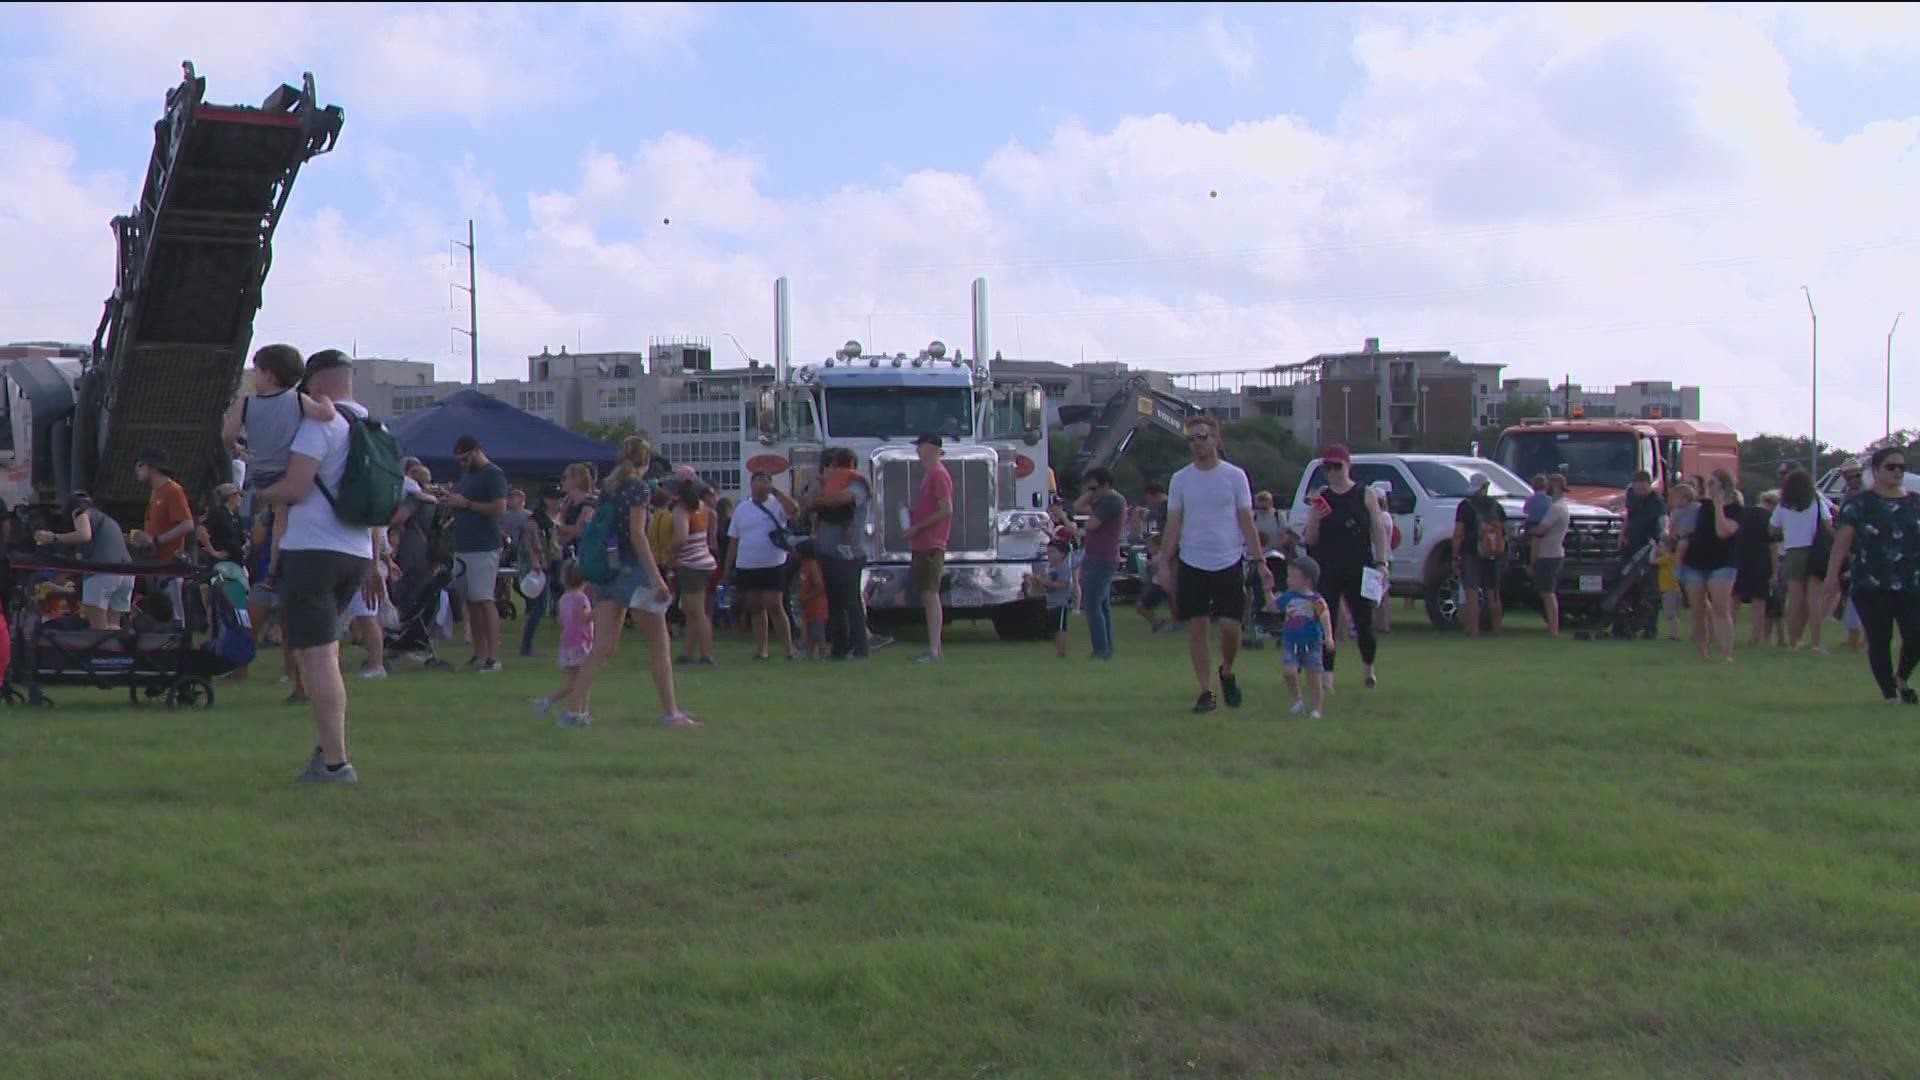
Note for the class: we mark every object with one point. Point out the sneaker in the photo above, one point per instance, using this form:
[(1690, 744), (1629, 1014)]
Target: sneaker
[(296, 699), (344, 776), (542, 707), (1370, 681), (1206, 703), (679, 720), (373, 673), (683, 661), (574, 719), (1298, 707), (1908, 696), (878, 641), (708, 661), (473, 661), (1317, 715), (1230, 689), (1164, 626), (926, 658), (491, 667)]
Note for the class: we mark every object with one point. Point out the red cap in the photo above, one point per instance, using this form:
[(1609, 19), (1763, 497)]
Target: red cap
[(1337, 452)]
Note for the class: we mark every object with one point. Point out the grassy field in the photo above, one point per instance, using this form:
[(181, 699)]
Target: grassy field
[(1516, 858)]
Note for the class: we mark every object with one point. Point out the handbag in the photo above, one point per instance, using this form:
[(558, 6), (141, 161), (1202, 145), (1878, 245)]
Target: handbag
[(1821, 553), (778, 535)]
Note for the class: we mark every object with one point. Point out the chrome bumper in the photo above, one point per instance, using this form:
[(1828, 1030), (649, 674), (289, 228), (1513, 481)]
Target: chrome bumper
[(965, 585)]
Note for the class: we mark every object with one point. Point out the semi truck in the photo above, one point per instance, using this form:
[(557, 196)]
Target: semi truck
[(876, 404)]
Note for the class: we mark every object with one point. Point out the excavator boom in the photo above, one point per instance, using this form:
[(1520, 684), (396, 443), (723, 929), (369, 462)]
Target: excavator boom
[(1114, 425), (192, 257)]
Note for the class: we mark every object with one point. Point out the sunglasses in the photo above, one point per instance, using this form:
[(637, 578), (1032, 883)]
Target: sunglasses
[(1334, 464), (1895, 466)]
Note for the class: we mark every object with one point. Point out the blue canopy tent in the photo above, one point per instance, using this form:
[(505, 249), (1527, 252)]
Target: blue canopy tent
[(523, 445)]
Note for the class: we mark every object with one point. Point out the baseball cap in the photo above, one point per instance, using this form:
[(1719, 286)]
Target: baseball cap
[(929, 439), (1479, 482), (1338, 452), (1305, 563), (327, 359), (466, 444), (1853, 465)]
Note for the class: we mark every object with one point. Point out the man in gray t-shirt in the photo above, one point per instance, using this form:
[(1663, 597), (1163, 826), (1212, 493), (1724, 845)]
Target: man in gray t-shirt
[(478, 503)]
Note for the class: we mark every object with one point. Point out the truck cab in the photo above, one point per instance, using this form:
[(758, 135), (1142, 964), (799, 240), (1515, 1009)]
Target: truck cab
[(1599, 457)]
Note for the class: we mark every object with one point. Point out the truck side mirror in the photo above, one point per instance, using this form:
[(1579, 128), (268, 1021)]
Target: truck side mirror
[(767, 413), (1033, 408)]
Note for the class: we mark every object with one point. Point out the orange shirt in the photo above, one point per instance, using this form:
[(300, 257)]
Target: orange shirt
[(165, 509), (813, 593)]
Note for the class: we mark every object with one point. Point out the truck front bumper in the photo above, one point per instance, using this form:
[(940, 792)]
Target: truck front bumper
[(968, 586)]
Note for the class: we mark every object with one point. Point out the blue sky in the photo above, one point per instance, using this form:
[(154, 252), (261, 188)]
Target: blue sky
[(1622, 192)]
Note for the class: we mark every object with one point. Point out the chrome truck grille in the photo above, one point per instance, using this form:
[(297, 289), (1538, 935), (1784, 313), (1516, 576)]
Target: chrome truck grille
[(897, 475), (1595, 539)]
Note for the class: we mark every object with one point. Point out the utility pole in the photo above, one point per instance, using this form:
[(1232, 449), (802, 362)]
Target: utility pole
[(473, 311), (1813, 420), (1566, 395), (1896, 326)]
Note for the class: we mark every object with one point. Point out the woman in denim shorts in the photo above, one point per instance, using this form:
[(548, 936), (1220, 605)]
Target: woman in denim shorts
[(1709, 562)]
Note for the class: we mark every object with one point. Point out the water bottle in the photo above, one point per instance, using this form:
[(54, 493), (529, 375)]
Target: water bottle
[(723, 598)]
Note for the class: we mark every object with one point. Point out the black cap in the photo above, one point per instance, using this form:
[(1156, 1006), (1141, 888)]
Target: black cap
[(465, 444), (326, 360), (152, 457), (551, 492), (929, 439)]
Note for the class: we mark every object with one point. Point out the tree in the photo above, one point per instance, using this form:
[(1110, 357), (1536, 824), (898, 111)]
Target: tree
[(1523, 407), (611, 432)]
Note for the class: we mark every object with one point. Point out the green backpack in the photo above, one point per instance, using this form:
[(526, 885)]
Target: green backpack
[(369, 491)]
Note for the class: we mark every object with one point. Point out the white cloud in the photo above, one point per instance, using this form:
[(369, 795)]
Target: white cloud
[(1612, 194)]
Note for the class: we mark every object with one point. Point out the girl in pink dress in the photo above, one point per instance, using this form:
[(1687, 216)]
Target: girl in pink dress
[(576, 642)]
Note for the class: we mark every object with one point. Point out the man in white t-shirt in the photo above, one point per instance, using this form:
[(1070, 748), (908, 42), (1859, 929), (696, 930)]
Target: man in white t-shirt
[(1209, 542), (324, 562)]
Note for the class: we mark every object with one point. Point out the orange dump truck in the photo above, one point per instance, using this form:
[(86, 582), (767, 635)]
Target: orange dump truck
[(1599, 457)]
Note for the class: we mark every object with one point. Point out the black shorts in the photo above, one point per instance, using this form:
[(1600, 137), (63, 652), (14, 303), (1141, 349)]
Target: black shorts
[(1057, 618), (760, 579), (1211, 594), (315, 589), (1546, 576), (1478, 573)]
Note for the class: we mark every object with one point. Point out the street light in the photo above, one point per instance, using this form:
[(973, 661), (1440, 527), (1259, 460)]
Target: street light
[(1346, 414), (1813, 434), (1896, 326)]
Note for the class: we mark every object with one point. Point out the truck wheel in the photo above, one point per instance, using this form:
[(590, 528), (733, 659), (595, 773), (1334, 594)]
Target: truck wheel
[(1022, 620), (1441, 587)]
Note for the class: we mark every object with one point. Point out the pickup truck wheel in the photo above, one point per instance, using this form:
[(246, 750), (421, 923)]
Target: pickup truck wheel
[(1441, 587)]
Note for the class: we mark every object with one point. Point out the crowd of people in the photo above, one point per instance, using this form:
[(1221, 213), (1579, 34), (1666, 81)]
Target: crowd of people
[(632, 550)]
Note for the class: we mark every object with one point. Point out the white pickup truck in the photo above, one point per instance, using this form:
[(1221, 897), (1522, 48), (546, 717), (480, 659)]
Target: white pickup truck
[(1424, 494)]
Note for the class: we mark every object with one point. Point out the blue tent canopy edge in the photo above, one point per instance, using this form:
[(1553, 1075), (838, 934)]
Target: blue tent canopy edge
[(525, 446)]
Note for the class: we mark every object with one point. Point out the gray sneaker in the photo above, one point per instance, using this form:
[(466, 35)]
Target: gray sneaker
[(926, 658), (318, 773), (878, 641), (574, 719)]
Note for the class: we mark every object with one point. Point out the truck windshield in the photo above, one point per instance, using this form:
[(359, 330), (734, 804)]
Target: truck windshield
[(898, 413), (1454, 480), (1588, 458)]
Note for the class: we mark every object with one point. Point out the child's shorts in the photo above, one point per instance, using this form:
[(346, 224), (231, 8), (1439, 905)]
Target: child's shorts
[(1057, 618), (572, 658), (1296, 659)]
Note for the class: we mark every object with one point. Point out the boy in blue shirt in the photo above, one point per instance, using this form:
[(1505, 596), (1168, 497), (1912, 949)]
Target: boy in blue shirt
[(1537, 504), (1306, 635)]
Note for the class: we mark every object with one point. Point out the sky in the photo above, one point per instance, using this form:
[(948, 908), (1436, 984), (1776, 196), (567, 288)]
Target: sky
[(1611, 192)]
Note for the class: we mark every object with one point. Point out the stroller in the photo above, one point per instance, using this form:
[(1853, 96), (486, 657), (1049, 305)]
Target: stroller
[(158, 662), (420, 618), (1631, 608), (1260, 625)]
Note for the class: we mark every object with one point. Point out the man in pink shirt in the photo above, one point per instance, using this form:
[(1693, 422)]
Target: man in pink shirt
[(929, 524)]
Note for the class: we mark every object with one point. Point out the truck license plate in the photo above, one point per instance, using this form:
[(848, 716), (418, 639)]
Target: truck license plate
[(1590, 583)]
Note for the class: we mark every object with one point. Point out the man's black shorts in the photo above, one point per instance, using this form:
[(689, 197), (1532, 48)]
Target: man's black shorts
[(315, 589), (1211, 594)]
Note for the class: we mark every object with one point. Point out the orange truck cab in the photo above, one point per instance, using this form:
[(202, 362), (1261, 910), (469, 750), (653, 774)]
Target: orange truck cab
[(1599, 457)]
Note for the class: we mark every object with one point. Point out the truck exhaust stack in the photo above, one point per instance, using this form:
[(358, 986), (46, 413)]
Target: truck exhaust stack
[(782, 330), (980, 354)]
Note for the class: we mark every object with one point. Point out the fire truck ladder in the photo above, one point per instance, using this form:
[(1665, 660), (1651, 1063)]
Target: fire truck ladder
[(192, 257)]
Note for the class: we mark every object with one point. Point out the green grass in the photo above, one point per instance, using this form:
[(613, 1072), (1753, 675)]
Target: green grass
[(1517, 858)]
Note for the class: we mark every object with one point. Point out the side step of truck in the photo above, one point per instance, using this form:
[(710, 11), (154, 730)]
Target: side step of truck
[(192, 258)]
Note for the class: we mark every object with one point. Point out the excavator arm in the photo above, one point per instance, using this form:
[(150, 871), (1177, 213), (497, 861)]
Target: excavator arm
[(1115, 424), (191, 258)]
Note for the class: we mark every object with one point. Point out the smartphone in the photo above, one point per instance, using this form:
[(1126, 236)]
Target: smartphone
[(1321, 504)]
